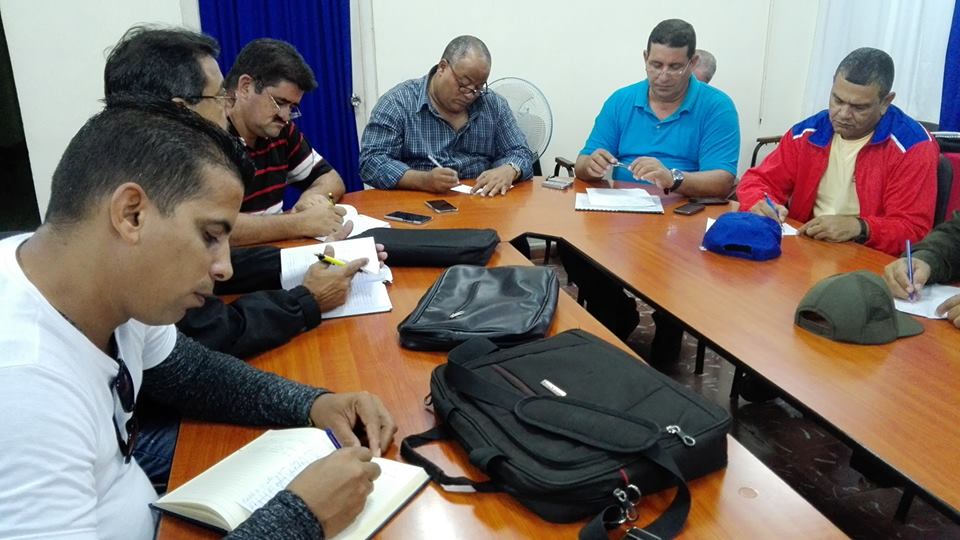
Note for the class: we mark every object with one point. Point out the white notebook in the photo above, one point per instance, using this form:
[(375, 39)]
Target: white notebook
[(226, 494), (619, 200), (368, 294)]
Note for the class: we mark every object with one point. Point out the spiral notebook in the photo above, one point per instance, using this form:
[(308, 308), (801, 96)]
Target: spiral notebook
[(619, 200)]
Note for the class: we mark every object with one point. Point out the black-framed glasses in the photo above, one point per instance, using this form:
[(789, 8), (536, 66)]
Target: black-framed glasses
[(122, 387), (224, 99), (466, 89)]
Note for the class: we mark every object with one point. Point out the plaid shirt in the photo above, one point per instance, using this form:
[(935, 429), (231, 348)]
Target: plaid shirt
[(405, 127)]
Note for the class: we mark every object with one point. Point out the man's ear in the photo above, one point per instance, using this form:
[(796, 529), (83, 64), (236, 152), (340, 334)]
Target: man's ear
[(127, 211), (694, 62), (246, 86), (887, 101)]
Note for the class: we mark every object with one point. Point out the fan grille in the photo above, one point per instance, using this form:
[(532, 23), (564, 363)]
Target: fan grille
[(531, 110)]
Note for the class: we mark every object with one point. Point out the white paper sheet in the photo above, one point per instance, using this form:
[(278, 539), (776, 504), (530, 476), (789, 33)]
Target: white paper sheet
[(931, 296)]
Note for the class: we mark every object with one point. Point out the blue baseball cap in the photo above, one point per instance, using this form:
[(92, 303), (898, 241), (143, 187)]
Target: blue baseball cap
[(745, 235)]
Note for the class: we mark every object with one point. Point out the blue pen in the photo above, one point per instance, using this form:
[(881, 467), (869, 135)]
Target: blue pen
[(772, 207), (333, 439), (913, 294)]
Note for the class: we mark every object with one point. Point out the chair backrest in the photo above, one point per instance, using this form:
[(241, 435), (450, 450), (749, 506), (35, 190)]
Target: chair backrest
[(948, 187)]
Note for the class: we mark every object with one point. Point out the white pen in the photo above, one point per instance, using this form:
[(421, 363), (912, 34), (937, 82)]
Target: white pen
[(434, 161)]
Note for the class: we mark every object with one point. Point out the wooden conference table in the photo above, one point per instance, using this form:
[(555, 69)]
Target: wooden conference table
[(746, 500), (899, 401)]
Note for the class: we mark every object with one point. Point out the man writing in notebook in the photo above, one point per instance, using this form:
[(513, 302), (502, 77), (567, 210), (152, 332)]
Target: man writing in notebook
[(425, 134), (130, 241), (861, 171), (179, 65), (669, 130), (266, 83)]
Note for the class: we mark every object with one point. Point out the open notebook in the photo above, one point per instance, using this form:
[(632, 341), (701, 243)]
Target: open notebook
[(619, 200), (368, 294), (226, 494)]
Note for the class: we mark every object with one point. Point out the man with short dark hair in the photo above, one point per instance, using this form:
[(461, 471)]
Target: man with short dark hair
[(706, 67), (860, 171), (670, 130), (179, 65), (131, 240), (425, 134), (267, 81)]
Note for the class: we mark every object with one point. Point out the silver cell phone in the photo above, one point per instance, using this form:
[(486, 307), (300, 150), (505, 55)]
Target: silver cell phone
[(557, 183), (441, 206), (408, 217)]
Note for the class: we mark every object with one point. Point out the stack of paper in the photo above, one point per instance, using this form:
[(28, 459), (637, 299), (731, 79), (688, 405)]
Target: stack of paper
[(619, 200), (368, 294)]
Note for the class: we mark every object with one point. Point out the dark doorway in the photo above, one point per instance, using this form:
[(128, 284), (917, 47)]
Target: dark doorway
[(18, 199)]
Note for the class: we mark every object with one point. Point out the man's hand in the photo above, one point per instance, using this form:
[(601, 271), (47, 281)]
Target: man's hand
[(330, 284), (320, 220), (344, 412), (950, 308), (895, 274), (599, 162), (439, 180), (763, 209), (336, 487), (831, 228), (495, 181), (651, 170), (311, 198)]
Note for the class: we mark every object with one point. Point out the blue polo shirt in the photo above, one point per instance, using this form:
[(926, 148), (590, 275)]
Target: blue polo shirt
[(702, 135)]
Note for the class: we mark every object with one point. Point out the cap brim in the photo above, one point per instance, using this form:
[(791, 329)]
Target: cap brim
[(907, 326)]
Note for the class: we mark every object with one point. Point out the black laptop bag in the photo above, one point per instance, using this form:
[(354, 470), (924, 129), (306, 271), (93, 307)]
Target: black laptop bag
[(435, 247), (507, 304), (572, 426)]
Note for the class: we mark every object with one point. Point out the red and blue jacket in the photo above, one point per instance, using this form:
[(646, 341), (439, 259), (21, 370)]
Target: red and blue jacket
[(895, 174)]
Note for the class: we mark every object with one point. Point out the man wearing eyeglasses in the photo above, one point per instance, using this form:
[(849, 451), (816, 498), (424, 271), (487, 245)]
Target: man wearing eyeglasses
[(178, 65), (267, 82), (669, 130), (425, 134), (130, 241)]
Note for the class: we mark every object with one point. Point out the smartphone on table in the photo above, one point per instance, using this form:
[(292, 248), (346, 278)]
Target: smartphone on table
[(441, 206), (709, 200), (408, 217), (689, 209)]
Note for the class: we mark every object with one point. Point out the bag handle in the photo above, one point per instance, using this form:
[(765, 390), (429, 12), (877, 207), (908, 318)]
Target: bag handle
[(667, 525), (460, 484)]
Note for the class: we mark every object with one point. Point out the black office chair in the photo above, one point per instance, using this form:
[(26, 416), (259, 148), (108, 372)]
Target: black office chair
[(761, 142), (944, 189)]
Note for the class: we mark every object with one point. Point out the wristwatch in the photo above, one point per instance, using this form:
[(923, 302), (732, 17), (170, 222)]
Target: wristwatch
[(677, 178), (864, 232), (516, 169)]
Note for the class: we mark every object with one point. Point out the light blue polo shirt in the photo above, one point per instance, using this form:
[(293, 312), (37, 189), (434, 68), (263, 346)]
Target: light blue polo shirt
[(702, 135)]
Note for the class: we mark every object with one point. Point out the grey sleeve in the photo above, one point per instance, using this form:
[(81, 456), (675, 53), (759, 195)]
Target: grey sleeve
[(286, 516), (204, 384)]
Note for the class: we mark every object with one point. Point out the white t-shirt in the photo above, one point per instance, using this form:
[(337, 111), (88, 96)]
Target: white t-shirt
[(61, 471)]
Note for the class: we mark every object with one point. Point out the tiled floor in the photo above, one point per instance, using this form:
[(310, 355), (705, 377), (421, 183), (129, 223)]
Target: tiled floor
[(806, 456)]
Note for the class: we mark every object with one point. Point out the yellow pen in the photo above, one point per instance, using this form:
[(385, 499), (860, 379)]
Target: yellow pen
[(330, 260)]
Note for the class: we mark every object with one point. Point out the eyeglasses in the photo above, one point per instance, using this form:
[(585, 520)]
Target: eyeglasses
[(654, 73), (465, 89), (224, 99), (122, 385), (293, 110)]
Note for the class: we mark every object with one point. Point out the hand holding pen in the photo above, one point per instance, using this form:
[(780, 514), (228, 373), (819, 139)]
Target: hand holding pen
[(441, 179)]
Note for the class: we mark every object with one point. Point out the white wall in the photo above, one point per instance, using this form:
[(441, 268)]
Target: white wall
[(579, 53), (58, 51)]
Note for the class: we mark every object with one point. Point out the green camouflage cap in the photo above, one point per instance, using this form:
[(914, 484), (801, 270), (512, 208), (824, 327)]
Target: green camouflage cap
[(855, 307)]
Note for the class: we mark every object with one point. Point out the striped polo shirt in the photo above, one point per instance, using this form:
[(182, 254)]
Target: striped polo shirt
[(282, 160)]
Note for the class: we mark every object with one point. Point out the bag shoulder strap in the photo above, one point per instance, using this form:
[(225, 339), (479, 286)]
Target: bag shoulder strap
[(447, 482)]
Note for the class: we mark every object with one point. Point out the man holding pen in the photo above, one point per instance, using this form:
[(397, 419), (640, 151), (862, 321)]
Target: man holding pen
[(425, 134), (860, 171), (936, 259)]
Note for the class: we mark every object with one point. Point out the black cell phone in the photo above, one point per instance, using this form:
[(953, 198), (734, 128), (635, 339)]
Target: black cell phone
[(441, 206), (407, 217), (709, 200), (689, 209)]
